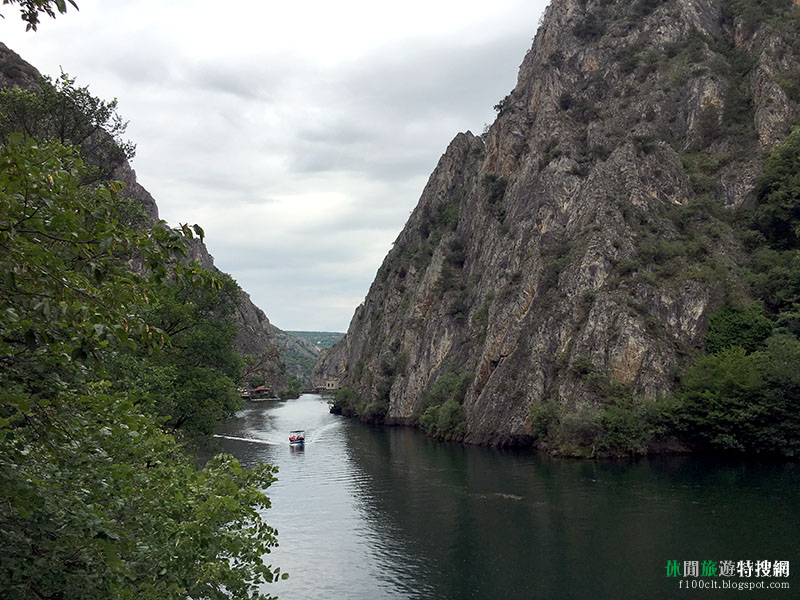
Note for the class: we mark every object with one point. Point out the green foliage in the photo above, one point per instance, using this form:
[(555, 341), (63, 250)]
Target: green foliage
[(190, 380), (443, 416), (620, 425), (550, 152), (433, 225), (345, 402), (445, 421), (777, 191), (503, 104), (480, 318), (630, 424), (646, 144), (591, 27), (790, 82), (452, 280), (552, 271), (450, 385), (775, 279), (704, 167), (374, 412), (745, 326), (544, 418), (780, 14), (31, 9), (60, 110), (642, 8), (580, 108), (66, 288), (734, 401), (293, 390), (743, 396), (458, 253), (568, 432), (689, 249), (709, 126), (495, 187), (98, 502)]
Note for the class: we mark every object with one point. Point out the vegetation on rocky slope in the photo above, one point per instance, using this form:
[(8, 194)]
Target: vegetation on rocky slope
[(605, 245), (743, 395)]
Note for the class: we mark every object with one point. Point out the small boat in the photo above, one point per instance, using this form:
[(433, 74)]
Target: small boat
[(297, 436)]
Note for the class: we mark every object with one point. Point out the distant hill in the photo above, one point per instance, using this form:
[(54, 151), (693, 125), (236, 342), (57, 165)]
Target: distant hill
[(321, 339)]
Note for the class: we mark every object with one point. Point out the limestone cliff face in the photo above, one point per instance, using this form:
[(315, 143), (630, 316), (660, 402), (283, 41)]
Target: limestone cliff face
[(257, 337), (585, 233)]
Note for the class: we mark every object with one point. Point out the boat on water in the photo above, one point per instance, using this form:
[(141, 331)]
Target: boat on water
[(296, 437)]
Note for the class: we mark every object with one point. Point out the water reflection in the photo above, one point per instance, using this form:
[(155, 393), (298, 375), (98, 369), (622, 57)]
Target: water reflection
[(370, 513)]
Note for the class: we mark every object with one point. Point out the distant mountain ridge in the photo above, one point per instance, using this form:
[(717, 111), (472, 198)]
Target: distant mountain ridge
[(320, 339)]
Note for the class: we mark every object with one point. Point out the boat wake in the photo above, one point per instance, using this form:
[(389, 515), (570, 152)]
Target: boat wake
[(316, 434), (253, 440)]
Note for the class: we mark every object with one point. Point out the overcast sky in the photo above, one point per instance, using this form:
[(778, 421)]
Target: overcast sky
[(298, 134)]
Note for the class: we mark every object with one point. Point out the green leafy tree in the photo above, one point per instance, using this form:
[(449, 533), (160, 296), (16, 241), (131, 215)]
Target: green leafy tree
[(721, 398), (778, 194), (744, 396), (31, 9), (746, 327), (746, 402), (96, 501), (60, 110), (444, 415), (190, 380)]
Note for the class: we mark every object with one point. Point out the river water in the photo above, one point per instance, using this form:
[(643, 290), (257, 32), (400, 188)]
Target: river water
[(370, 513)]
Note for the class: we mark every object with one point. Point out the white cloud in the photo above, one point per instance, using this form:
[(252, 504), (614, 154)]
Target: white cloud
[(299, 134)]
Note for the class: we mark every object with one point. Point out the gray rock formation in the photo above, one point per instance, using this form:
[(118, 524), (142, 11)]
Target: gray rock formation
[(583, 240)]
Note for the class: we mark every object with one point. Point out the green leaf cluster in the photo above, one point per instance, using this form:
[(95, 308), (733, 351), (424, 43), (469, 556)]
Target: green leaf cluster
[(345, 402), (443, 416), (737, 401), (31, 9)]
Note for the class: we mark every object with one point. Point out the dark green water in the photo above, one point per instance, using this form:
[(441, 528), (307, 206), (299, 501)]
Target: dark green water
[(368, 513)]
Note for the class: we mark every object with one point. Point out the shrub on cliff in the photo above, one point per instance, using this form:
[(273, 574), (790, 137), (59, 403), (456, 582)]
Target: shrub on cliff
[(443, 416), (345, 402), (777, 191)]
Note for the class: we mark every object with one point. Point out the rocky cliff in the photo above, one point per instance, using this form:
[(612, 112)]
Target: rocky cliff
[(578, 246), (257, 337)]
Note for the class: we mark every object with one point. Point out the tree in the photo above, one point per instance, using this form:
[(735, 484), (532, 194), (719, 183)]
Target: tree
[(60, 110), (778, 193), (31, 9), (745, 402), (743, 326), (190, 380), (96, 500)]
